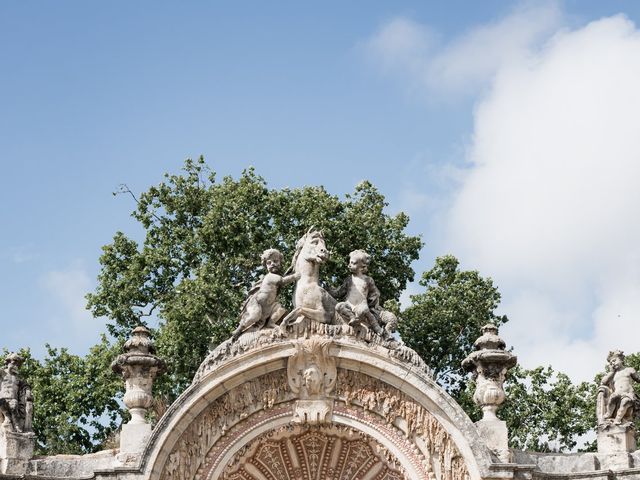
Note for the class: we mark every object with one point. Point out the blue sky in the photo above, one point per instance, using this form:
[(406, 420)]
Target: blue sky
[(414, 96)]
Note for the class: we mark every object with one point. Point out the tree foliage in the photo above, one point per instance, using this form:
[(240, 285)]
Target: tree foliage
[(442, 323), (545, 411), (76, 407), (202, 240), (201, 252)]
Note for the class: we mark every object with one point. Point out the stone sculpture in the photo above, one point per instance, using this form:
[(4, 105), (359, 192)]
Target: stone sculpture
[(261, 308), (310, 300), (616, 396), (16, 402), (139, 368), (361, 305), (312, 374), (489, 364), (615, 410)]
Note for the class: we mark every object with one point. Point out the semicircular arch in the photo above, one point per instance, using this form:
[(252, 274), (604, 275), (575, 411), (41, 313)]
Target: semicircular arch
[(374, 387)]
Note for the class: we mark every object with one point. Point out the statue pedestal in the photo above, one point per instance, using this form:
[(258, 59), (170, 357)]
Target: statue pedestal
[(133, 439), (616, 439), (16, 449), (496, 437)]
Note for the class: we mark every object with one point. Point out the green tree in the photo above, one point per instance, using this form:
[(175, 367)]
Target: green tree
[(201, 252), (545, 411), (442, 323), (76, 407)]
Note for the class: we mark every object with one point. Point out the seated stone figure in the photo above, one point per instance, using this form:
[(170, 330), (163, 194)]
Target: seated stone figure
[(361, 305), (261, 308), (16, 404), (616, 396)]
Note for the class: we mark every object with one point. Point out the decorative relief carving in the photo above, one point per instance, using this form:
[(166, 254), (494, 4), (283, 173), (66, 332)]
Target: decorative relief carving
[(250, 341), (404, 413), (394, 415), (314, 453), (311, 373), (192, 447)]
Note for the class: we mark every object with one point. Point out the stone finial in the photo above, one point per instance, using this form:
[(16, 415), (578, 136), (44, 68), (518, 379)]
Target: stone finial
[(489, 364), (616, 409), (17, 439), (139, 367)]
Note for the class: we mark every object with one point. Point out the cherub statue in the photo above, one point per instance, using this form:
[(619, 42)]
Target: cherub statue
[(616, 396), (16, 402), (361, 305), (261, 308)]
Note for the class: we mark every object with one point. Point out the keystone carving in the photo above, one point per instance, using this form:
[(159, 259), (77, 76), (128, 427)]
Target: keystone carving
[(311, 374)]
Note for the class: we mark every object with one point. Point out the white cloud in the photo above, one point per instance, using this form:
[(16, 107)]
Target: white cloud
[(551, 204), (68, 323), (469, 62)]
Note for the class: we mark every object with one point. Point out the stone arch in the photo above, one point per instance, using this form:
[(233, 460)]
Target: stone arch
[(386, 395)]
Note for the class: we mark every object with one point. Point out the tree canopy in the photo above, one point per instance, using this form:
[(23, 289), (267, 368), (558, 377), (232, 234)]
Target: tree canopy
[(200, 253), (442, 323)]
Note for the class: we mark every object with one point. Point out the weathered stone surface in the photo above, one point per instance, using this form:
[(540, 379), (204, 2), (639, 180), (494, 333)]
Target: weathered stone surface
[(615, 409), (489, 364), (139, 367), (15, 451), (496, 436), (261, 308), (16, 402), (616, 439)]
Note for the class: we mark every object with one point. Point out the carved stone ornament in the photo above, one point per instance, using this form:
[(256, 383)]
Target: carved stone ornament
[(311, 374), (616, 406), (391, 413), (139, 367), (16, 402), (17, 439), (442, 459), (489, 364), (327, 453)]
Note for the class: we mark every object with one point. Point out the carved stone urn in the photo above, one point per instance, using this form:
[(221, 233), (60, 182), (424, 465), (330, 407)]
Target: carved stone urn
[(139, 367), (489, 364)]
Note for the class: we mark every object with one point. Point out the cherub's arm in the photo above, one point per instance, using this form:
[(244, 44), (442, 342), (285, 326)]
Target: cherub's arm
[(606, 380), (373, 294), (635, 375), (286, 280), (339, 292)]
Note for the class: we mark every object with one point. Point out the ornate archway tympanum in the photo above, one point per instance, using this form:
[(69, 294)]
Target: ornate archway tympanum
[(313, 453), (266, 394)]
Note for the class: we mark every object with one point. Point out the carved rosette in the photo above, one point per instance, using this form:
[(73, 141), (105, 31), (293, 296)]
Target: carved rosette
[(311, 374), (489, 364), (139, 367)]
